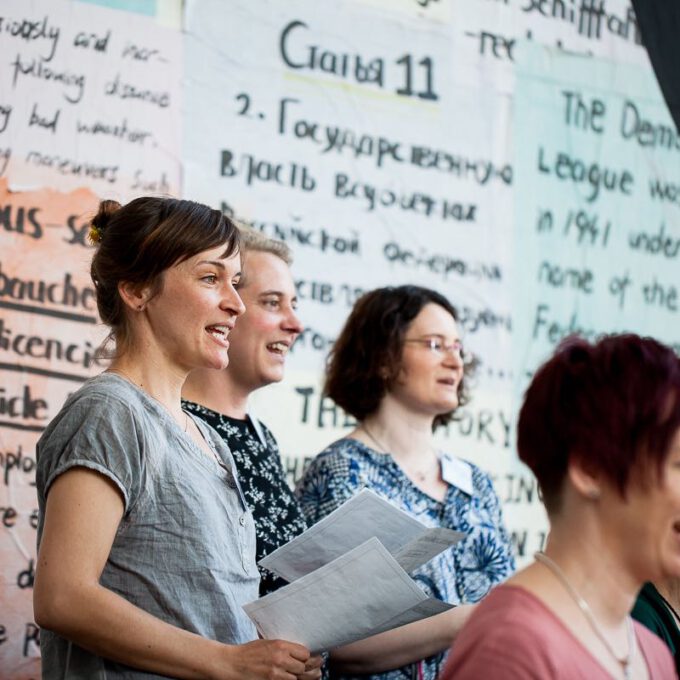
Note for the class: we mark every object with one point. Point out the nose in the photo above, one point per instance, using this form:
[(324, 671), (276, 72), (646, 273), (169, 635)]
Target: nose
[(232, 302), (292, 323), (454, 357)]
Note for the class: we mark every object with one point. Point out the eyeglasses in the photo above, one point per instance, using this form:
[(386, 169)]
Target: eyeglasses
[(439, 347)]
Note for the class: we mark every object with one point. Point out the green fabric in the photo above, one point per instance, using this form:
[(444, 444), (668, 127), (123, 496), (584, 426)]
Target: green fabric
[(651, 611)]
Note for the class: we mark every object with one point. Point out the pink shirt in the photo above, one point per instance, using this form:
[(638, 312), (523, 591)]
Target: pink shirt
[(512, 635)]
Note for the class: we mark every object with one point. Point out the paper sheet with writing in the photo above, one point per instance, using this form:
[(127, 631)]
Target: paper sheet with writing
[(362, 517), (361, 593)]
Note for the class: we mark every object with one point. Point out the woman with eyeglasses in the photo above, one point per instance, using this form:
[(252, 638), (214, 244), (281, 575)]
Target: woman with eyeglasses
[(398, 367)]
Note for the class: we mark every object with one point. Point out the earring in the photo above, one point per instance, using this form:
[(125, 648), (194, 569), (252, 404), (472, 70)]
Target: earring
[(140, 308), (593, 494)]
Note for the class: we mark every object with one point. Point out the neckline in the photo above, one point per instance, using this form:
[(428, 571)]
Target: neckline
[(148, 398), (216, 414), (248, 426), (672, 611), (207, 461), (555, 617), (382, 454)]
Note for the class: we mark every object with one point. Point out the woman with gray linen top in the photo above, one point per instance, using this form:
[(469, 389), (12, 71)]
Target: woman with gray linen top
[(146, 545)]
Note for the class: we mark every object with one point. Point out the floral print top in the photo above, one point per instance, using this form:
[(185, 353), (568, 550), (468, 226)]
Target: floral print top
[(462, 574), (277, 514)]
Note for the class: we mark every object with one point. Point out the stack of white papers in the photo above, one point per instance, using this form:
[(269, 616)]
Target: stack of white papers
[(349, 576)]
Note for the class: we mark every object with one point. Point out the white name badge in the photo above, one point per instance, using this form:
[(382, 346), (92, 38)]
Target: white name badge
[(457, 472)]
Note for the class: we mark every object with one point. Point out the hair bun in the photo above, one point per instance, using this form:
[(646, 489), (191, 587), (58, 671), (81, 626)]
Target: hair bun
[(101, 219)]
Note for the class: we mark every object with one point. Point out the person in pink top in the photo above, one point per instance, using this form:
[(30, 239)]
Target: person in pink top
[(600, 429)]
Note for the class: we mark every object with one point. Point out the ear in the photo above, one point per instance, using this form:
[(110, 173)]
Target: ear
[(134, 295), (388, 377), (586, 482)]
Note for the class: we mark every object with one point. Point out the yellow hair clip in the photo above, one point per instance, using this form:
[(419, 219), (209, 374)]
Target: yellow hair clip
[(95, 236)]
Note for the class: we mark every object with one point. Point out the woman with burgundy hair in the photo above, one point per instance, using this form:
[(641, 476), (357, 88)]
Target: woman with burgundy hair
[(600, 429)]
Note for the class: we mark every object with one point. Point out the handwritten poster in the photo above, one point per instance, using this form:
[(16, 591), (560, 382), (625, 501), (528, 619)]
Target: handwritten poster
[(598, 194), (376, 138), (88, 98), (48, 335), (89, 108), (513, 154)]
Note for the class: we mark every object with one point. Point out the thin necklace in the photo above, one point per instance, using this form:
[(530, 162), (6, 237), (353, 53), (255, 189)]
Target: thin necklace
[(129, 379), (380, 446), (626, 662), (418, 474), (213, 453)]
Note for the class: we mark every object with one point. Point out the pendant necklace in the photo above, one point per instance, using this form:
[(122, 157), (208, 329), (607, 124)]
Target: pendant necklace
[(626, 662)]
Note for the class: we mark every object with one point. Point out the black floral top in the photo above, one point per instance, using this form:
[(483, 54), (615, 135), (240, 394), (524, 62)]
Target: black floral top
[(278, 516)]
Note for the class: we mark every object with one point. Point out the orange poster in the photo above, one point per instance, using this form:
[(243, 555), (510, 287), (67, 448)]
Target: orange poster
[(49, 332)]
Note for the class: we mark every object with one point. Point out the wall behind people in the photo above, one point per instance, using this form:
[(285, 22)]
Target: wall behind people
[(386, 141), (89, 108)]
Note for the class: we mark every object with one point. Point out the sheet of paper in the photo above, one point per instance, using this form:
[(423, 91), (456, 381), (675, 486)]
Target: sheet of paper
[(423, 548), (360, 518), (422, 610), (360, 593)]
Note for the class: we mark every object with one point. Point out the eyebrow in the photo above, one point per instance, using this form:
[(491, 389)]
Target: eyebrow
[(438, 335), (278, 293), (219, 264), (214, 263)]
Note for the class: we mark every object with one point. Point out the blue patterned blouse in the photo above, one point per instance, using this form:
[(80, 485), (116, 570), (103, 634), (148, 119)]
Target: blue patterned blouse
[(462, 574)]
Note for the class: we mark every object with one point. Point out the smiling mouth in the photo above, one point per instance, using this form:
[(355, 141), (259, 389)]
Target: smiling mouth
[(278, 348), (219, 332)]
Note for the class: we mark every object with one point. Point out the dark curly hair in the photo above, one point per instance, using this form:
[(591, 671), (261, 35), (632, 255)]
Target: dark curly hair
[(365, 359)]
